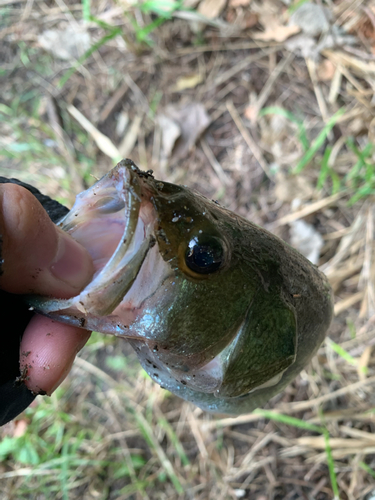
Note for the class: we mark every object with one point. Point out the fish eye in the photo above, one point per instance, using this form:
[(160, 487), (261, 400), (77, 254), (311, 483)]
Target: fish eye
[(204, 254)]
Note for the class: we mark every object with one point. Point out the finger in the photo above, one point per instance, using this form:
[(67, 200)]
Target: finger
[(47, 352), (38, 257)]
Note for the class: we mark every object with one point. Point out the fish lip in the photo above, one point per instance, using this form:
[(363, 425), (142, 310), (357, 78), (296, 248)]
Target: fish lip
[(108, 287)]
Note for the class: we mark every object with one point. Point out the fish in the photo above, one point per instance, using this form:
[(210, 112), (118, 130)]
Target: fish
[(219, 311)]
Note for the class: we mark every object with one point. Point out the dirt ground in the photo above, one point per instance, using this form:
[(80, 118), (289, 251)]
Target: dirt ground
[(267, 107)]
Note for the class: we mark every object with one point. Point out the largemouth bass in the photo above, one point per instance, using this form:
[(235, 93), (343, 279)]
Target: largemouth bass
[(219, 311)]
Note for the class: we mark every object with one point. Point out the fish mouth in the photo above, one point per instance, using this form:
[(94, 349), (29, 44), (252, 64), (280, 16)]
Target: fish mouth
[(114, 220)]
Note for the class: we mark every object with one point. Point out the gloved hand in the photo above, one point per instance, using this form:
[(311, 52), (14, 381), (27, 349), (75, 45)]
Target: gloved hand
[(37, 257)]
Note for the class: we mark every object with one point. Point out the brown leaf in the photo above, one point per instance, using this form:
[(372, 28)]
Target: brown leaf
[(239, 3), (278, 33), (192, 120), (211, 8), (326, 70)]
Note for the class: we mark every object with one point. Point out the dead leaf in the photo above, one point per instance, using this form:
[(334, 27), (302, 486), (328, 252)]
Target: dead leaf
[(239, 3), (244, 19), (211, 8), (250, 20), (191, 120), (326, 70), (311, 18), (188, 82), (306, 239), (302, 45), (277, 33), (170, 132), (68, 44), (289, 188)]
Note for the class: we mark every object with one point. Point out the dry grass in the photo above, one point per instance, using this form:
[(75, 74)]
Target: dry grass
[(109, 432)]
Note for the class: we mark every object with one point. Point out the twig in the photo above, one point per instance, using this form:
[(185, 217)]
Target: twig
[(311, 66), (128, 143), (249, 140), (214, 163), (102, 141), (308, 210), (242, 65), (268, 86)]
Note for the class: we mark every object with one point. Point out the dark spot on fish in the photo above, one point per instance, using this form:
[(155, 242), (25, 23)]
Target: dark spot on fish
[(25, 353), (154, 366), (216, 202), (48, 334), (155, 375), (183, 382), (162, 387), (82, 322), (155, 348), (148, 361)]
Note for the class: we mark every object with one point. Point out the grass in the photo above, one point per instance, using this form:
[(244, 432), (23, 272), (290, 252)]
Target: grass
[(109, 432), (301, 424), (360, 178)]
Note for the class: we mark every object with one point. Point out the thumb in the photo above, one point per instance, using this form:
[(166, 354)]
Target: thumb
[(37, 256)]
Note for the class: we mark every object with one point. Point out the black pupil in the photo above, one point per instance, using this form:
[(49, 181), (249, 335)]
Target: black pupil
[(204, 255)]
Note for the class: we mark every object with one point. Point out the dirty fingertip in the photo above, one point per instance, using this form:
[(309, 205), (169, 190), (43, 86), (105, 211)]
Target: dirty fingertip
[(47, 352)]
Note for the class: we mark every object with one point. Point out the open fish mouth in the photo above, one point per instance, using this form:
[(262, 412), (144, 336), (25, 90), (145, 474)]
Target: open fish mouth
[(114, 220)]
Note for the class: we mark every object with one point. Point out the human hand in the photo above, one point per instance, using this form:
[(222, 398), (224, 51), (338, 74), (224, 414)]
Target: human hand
[(39, 258)]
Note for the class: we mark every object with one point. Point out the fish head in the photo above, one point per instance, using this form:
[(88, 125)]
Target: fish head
[(203, 295)]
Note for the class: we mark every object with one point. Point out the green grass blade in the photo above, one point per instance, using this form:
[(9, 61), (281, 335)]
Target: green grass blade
[(318, 142), (174, 440), (341, 352), (146, 430), (275, 110), (368, 469), (64, 475), (331, 467), (324, 170), (286, 419), (86, 10)]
